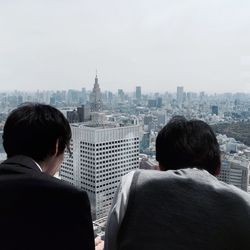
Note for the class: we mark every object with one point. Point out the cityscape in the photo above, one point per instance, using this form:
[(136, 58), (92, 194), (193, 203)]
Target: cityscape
[(119, 71), (115, 133)]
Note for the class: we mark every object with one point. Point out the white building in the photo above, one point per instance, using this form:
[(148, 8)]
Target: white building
[(231, 147), (235, 171), (101, 155)]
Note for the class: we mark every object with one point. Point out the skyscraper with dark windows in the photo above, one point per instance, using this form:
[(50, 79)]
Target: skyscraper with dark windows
[(84, 113), (215, 110), (81, 114)]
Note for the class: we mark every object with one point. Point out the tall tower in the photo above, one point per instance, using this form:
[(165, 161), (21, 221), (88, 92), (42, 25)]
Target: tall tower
[(138, 93), (179, 96), (102, 154), (96, 97)]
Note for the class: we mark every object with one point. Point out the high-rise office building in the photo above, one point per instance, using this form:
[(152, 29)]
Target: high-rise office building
[(96, 97), (72, 116), (215, 110), (235, 172), (144, 144), (138, 93), (73, 97), (202, 96), (102, 154), (82, 114), (179, 96), (159, 102), (121, 95)]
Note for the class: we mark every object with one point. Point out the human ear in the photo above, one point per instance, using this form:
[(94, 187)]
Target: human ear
[(55, 148), (217, 171)]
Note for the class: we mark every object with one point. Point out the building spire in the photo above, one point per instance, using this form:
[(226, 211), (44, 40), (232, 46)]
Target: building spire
[(96, 97), (96, 78)]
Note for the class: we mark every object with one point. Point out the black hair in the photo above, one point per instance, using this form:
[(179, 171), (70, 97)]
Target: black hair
[(33, 129), (182, 143)]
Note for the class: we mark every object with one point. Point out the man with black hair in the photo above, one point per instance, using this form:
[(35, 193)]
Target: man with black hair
[(183, 206), (38, 211)]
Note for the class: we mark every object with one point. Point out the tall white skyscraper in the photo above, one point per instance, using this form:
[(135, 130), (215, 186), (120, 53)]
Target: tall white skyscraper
[(102, 154), (235, 172)]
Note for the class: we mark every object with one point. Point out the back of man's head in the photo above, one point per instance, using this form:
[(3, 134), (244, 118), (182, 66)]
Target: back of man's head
[(34, 129), (182, 143)]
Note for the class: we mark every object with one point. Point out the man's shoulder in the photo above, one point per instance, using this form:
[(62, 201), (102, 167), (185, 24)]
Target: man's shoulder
[(185, 175), (155, 176), (22, 172), (189, 179), (56, 183)]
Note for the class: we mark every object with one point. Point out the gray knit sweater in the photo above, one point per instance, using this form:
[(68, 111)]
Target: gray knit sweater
[(182, 209)]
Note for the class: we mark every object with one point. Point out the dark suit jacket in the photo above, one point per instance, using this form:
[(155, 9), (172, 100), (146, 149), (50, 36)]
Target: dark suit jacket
[(38, 211)]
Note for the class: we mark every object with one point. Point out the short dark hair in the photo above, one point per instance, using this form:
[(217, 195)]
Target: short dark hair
[(182, 143), (32, 129)]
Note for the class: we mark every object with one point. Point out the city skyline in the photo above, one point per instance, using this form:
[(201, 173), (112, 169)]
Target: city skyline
[(130, 92), (158, 45)]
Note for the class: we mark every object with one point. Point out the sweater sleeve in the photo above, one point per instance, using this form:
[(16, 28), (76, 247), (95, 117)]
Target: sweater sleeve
[(117, 212)]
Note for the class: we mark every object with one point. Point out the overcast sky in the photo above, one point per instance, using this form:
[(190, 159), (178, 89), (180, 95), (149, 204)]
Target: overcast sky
[(157, 44)]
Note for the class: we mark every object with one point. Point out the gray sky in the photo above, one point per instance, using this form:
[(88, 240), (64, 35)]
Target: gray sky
[(158, 44)]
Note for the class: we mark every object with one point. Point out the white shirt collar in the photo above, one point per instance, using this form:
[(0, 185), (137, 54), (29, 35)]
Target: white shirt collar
[(38, 166)]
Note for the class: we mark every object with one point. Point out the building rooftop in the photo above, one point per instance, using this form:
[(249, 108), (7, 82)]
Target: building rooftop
[(237, 160), (96, 125)]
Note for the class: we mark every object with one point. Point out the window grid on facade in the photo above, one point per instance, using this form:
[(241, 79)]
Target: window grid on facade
[(101, 156)]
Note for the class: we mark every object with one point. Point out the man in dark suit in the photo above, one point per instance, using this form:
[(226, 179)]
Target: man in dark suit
[(38, 211)]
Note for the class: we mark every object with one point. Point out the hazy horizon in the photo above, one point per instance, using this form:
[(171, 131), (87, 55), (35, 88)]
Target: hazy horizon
[(132, 92), (158, 45)]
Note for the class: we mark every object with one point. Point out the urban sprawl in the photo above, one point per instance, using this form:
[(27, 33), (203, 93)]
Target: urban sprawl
[(114, 133)]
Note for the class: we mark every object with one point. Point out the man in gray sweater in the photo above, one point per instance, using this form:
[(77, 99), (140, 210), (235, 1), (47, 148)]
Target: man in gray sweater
[(183, 206)]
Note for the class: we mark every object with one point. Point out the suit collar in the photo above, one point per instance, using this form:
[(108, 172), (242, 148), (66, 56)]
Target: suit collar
[(23, 160)]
